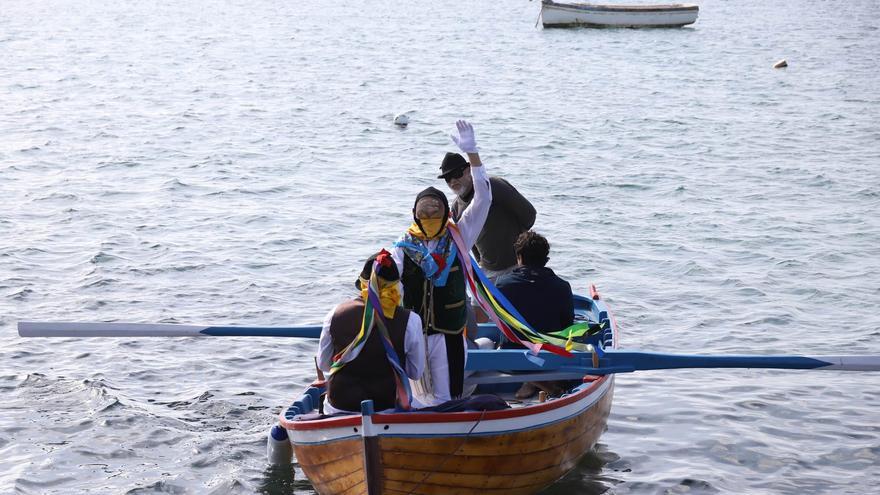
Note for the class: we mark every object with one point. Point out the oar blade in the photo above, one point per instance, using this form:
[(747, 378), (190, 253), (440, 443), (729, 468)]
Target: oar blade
[(851, 363), (615, 361), (132, 330), (620, 361), (95, 329)]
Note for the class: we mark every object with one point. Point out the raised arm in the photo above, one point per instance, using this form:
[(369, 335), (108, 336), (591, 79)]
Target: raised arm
[(474, 216)]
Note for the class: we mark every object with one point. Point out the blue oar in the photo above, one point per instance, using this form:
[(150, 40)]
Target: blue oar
[(609, 361), (614, 361), (91, 329), (59, 329)]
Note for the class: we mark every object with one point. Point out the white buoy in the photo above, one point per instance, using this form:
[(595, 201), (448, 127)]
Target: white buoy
[(278, 449), (779, 65), (401, 120)]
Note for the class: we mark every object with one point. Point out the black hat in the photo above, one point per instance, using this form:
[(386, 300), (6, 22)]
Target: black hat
[(432, 192), (451, 163), (387, 268)]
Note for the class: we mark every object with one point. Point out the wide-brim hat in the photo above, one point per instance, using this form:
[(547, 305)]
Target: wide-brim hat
[(451, 163)]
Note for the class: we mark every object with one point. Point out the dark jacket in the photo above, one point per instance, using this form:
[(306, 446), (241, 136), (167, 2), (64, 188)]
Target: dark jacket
[(449, 313), (369, 375), (509, 216), (542, 298)]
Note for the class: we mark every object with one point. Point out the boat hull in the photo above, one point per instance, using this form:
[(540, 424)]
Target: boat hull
[(518, 451), (593, 15)]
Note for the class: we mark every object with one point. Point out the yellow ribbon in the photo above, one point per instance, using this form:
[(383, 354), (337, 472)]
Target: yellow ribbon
[(389, 295)]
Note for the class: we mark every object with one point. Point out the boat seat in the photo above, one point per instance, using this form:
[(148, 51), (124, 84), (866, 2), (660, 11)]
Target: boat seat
[(314, 416), (483, 377)]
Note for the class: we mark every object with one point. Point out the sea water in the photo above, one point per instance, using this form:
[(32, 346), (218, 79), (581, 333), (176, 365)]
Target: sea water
[(232, 162)]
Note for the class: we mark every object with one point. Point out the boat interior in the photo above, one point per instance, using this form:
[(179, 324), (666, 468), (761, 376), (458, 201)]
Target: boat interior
[(549, 385)]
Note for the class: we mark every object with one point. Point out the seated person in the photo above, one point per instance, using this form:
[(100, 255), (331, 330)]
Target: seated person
[(540, 296), (365, 372)]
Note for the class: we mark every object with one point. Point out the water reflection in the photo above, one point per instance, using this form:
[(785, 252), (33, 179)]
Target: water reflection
[(281, 480), (590, 476)]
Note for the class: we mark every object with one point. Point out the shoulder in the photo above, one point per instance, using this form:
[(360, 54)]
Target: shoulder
[(413, 318), (513, 277), (496, 181), (348, 305), (503, 280), (559, 281)]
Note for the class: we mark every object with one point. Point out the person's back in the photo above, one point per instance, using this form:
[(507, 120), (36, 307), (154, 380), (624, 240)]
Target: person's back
[(370, 375), (361, 369), (542, 298)]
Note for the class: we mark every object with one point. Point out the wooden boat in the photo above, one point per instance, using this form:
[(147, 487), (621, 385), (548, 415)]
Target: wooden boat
[(556, 14), (520, 450)]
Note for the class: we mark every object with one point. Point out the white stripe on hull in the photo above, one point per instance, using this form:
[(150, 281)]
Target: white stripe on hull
[(459, 428)]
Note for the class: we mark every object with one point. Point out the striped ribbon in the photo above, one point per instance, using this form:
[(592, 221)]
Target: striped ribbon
[(373, 308), (497, 307)]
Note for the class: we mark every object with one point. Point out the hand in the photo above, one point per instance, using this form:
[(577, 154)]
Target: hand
[(466, 141)]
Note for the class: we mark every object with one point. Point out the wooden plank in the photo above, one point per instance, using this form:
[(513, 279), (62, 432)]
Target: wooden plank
[(431, 489), (358, 489), (501, 377), (547, 469), (521, 472), (518, 443), (496, 465), (339, 465), (351, 484), (316, 455)]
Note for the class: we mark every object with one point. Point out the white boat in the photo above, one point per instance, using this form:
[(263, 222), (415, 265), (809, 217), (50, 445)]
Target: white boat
[(585, 14)]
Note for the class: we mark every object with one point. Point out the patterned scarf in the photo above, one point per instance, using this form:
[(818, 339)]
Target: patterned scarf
[(435, 263)]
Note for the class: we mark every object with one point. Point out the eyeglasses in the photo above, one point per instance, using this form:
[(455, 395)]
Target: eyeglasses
[(455, 174)]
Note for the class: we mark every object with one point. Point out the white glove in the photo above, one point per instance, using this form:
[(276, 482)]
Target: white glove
[(465, 140)]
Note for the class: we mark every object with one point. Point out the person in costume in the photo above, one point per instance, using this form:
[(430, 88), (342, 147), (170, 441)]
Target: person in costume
[(434, 284), (368, 355)]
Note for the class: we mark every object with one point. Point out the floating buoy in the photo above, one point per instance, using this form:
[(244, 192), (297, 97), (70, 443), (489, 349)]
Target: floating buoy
[(278, 448), (401, 120), (782, 63)]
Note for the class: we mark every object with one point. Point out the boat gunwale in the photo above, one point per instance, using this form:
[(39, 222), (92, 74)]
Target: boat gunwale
[(444, 417)]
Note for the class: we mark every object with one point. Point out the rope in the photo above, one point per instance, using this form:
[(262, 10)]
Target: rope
[(449, 455)]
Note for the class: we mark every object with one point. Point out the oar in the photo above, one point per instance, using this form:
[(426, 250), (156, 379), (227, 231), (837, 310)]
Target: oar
[(600, 363), (64, 329), (93, 329), (613, 361)]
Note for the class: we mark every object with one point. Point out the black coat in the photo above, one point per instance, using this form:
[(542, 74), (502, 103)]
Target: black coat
[(542, 298)]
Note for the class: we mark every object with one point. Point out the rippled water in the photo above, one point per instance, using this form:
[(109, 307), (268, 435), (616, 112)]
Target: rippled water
[(233, 162)]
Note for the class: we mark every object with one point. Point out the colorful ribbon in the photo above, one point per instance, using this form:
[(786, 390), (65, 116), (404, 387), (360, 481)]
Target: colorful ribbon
[(372, 308), (497, 307)]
